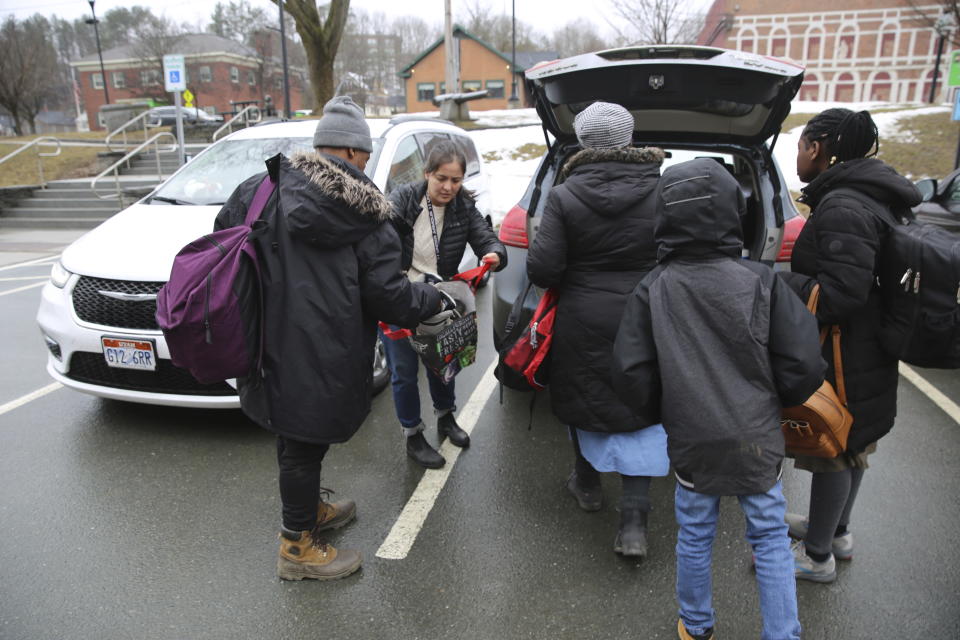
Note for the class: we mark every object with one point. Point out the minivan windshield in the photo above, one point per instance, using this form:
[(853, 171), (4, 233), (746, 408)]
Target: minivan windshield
[(211, 177)]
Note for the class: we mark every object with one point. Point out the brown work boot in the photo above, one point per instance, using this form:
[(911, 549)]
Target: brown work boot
[(304, 555), (333, 515)]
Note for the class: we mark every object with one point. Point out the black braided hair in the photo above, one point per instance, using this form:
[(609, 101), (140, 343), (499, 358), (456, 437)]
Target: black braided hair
[(846, 134)]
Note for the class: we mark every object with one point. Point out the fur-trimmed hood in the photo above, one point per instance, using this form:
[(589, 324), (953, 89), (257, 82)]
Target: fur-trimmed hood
[(329, 201), (633, 155), (611, 181)]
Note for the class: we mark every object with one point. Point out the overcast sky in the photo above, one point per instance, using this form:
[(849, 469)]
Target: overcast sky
[(543, 15)]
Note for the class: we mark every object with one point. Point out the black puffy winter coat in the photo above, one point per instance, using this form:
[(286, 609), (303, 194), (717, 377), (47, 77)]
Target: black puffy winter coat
[(462, 223), (840, 247), (714, 345), (594, 244), (330, 264)]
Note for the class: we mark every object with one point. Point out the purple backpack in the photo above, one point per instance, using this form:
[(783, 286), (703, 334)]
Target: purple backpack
[(210, 310)]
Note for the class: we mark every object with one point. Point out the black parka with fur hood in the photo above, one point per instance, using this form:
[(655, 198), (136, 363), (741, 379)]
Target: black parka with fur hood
[(594, 244), (714, 345), (330, 264)]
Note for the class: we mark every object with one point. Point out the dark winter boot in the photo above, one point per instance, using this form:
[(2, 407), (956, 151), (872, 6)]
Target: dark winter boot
[(303, 555), (422, 453), (632, 538), (333, 515), (447, 427), (589, 494)]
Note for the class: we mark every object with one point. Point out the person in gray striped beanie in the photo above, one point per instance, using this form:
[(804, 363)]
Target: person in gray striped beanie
[(604, 125)]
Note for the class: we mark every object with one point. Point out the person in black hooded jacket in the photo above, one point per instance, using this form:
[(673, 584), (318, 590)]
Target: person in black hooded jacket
[(594, 244), (436, 218), (714, 346), (330, 269), (840, 248)]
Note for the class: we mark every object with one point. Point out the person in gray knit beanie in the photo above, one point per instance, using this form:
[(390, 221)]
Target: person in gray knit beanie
[(604, 125), (343, 126)]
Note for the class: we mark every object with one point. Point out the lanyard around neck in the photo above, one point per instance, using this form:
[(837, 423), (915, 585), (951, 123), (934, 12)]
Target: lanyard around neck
[(433, 228)]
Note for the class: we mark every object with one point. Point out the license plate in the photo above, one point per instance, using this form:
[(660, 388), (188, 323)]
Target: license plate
[(126, 353)]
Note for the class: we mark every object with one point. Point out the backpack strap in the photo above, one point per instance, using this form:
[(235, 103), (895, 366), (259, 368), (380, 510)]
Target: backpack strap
[(882, 211), (834, 331), (259, 202)]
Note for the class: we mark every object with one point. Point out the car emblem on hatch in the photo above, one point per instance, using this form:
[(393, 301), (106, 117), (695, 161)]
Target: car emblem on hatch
[(128, 297), (656, 82)]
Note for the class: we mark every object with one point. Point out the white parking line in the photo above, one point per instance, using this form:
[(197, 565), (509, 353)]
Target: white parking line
[(405, 530), (949, 406), (30, 263), (29, 286), (30, 397)]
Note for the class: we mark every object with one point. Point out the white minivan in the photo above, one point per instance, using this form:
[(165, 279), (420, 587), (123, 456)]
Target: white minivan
[(103, 290)]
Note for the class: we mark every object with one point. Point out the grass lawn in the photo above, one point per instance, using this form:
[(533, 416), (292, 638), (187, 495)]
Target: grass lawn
[(73, 162)]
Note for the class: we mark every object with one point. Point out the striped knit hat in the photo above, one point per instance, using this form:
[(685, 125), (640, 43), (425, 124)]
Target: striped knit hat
[(603, 125)]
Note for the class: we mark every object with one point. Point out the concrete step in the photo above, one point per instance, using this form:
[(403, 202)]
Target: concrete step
[(49, 223), (84, 185), (70, 201), (147, 171), (60, 212)]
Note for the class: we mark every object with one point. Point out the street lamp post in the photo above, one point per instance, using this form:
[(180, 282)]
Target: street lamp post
[(96, 31), (941, 28), (286, 76), (514, 99)]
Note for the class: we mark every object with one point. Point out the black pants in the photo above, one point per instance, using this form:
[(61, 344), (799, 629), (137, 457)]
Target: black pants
[(299, 464)]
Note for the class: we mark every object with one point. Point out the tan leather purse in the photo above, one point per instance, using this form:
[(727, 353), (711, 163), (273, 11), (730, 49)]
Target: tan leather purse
[(820, 426)]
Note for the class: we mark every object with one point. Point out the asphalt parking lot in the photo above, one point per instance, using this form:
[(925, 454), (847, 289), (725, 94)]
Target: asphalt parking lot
[(131, 521)]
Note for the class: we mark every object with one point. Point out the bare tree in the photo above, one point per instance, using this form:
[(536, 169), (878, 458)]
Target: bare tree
[(944, 22), (576, 37), (497, 29), (320, 32), (153, 40), (656, 21), (28, 69)]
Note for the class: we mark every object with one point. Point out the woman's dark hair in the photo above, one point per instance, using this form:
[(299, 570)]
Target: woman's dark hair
[(846, 134), (443, 152)]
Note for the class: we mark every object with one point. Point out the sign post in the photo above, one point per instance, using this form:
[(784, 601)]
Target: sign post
[(955, 116), (175, 80)]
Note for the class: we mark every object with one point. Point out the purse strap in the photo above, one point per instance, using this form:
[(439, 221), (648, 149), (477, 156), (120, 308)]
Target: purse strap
[(834, 331)]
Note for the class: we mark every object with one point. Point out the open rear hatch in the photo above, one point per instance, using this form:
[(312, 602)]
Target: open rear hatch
[(675, 93)]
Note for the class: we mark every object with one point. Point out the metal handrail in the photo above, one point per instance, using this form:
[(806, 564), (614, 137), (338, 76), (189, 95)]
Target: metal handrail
[(123, 129), (115, 167), (36, 142), (247, 120)]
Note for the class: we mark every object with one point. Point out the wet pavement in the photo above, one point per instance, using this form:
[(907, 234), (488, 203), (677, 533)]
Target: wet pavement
[(132, 521)]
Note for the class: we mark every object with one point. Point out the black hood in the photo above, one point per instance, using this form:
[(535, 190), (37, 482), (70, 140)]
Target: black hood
[(610, 181), (699, 207), (329, 201), (869, 176)]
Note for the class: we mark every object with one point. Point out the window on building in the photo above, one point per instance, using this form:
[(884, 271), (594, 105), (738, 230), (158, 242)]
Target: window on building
[(119, 80), (845, 47), (495, 88), (813, 48), (278, 83), (425, 92), (234, 75), (407, 165), (251, 78), (887, 42), (443, 88), (205, 74), (149, 77), (778, 47), (96, 80), (471, 85), (746, 45)]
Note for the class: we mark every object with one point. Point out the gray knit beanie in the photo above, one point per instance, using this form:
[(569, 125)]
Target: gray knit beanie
[(603, 125), (343, 126)]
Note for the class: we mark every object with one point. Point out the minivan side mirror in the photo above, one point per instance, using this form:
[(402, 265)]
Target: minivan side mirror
[(927, 188)]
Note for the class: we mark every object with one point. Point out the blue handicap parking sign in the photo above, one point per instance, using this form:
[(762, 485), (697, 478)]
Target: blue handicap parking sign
[(174, 76)]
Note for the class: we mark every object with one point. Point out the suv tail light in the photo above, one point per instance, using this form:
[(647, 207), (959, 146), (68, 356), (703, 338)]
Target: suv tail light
[(513, 229), (791, 229)]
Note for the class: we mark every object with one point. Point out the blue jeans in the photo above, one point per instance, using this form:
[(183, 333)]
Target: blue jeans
[(404, 363), (767, 534)]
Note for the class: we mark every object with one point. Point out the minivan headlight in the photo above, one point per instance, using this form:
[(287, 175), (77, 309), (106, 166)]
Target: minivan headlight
[(59, 275)]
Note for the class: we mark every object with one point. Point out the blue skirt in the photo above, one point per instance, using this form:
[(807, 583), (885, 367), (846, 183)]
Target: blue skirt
[(634, 453)]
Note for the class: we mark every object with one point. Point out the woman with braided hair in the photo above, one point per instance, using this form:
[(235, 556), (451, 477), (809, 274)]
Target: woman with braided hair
[(839, 248)]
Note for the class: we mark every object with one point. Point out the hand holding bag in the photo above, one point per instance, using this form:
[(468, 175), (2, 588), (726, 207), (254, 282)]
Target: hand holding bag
[(820, 426)]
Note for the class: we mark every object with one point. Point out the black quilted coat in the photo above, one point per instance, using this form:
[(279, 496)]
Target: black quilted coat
[(595, 243), (840, 247), (462, 224), (330, 265)]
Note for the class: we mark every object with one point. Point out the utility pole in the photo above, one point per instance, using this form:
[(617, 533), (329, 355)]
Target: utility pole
[(514, 100), (286, 75), (449, 109), (96, 31)]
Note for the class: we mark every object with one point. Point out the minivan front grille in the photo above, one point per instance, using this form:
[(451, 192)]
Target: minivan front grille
[(93, 369), (91, 305)]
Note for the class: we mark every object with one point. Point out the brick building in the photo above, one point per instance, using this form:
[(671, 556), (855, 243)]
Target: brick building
[(220, 73), (853, 50), (481, 67)]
